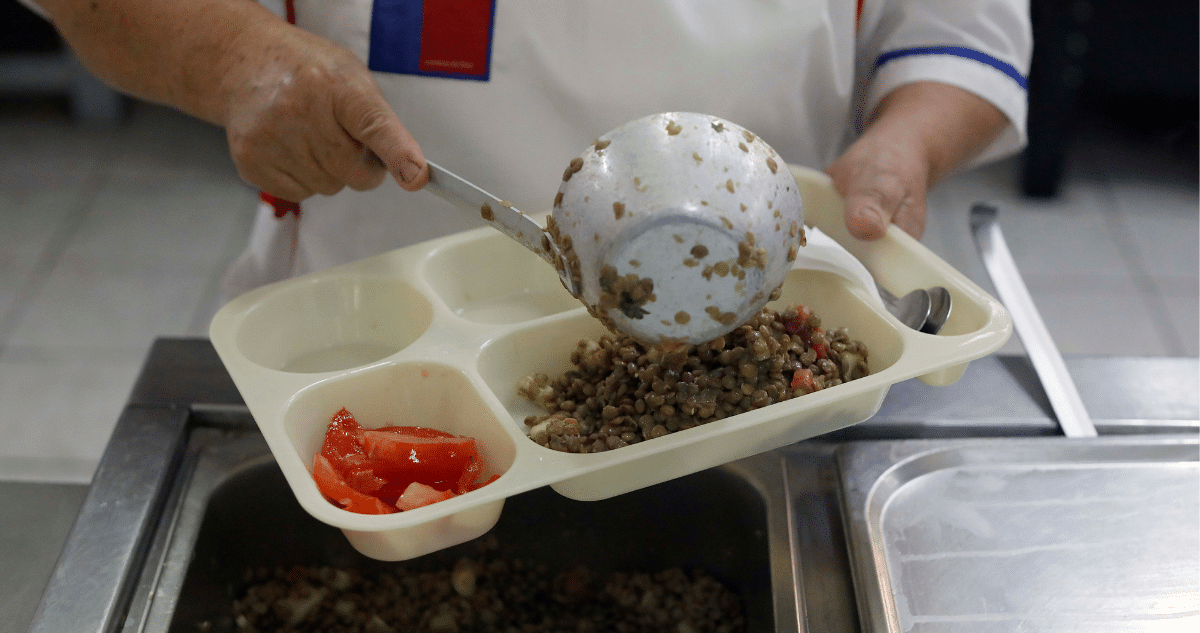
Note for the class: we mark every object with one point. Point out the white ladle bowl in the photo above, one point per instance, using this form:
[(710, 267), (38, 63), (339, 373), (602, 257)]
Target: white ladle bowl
[(677, 227)]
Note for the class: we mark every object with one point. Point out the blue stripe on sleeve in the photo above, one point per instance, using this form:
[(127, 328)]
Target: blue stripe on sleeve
[(957, 51)]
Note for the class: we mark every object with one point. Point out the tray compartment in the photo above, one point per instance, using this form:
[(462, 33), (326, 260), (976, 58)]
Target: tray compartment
[(409, 393), (332, 323), (840, 303), (492, 279)]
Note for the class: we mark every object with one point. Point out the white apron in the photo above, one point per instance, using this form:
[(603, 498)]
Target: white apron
[(559, 74)]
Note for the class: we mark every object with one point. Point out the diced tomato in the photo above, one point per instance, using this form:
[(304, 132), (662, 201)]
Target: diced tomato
[(469, 475), (804, 378), (369, 471), (418, 431), (821, 350), (331, 484), (797, 324), (433, 461), (418, 495), (343, 440), (477, 486)]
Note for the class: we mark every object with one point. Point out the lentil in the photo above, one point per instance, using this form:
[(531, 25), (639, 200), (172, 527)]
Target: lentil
[(486, 592), (619, 387)]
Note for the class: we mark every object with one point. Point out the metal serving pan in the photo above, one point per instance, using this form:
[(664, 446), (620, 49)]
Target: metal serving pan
[(1025, 535), (231, 511)]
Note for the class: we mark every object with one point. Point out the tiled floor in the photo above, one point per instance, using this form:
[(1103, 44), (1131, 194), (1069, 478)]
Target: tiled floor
[(109, 238)]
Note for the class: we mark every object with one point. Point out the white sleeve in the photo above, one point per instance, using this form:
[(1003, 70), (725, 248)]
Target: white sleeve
[(982, 46)]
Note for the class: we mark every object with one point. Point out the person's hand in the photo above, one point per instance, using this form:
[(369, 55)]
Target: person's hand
[(919, 134), (303, 115), (884, 179), (307, 118)]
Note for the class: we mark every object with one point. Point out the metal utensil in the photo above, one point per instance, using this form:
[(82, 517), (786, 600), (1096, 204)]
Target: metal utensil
[(1047, 361), (939, 310), (923, 309), (678, 227), (499, 213), (912, 309), (674, 228)]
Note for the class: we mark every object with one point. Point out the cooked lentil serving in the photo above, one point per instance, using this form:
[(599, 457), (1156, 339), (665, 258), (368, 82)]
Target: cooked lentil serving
[(622, 392), (485, 592)]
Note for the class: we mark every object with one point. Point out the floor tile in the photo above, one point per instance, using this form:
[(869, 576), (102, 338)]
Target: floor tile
[(89, 302), (1105, 318), (32, 219), (60, 405), (1162, 223), (1183, 313), (189, 223)]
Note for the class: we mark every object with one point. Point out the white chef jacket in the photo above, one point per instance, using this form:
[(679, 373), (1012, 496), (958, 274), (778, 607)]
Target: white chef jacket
[(801, 74)]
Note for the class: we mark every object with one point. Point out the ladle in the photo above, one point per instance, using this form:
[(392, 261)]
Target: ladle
[(673, 228)]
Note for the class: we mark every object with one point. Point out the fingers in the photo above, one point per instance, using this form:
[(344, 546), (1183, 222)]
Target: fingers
[(882, 185), (368, 119), (314, 122), (876, 198)]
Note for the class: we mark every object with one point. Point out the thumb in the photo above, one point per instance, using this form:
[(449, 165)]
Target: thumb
[(370, 121), (876, 197), (869, 208)]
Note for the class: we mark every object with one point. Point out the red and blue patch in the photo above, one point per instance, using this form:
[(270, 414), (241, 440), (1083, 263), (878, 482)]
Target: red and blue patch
[(436, 38)]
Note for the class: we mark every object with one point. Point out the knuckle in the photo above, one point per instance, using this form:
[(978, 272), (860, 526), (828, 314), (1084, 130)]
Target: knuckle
[(365, 179)]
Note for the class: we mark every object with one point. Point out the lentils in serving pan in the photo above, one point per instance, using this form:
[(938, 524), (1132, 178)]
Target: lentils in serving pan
[(487, 592), (622, 392)]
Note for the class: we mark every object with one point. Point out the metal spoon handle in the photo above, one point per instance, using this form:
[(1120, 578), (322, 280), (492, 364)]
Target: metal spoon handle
[(1047, 361), (481, 204)]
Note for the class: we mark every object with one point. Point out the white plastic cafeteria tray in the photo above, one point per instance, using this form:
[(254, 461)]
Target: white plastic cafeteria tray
[(438, 334)]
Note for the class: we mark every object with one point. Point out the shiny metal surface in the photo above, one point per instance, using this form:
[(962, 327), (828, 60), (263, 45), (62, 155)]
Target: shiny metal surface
[(1048, 534), (506, 218), (1002, 396), (231, 510), (940, 305), (912, 309), (92, 581), (998, 261), (127, 557), (680, 225)]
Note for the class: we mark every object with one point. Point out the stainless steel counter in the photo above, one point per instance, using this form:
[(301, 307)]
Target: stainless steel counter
[(183, 385), (30, 541)]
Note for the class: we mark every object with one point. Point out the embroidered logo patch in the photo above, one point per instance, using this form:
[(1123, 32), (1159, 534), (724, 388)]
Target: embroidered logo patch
[(440, 38)]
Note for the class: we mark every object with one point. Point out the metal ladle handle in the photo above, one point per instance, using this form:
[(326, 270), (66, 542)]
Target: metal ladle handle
[(1047, 361)]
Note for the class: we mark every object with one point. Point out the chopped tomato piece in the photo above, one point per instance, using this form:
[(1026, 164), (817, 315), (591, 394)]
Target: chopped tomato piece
[(477, 486), (418, 495), (331, 484), (798, 324), (343, 438), (804, 378), (418, 431), (433, 461), (369, 471), (469, 475)]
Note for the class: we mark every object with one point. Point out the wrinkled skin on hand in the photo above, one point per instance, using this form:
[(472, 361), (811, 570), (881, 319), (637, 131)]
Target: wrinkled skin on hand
[(305, 117), (919, 134), (884, 181)]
